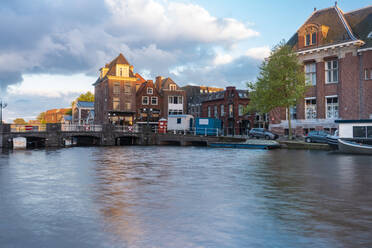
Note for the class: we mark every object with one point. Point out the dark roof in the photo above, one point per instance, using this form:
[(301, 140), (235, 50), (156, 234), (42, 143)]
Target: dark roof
[(354, 121), (221, 95), (342, 26), (360, 22)]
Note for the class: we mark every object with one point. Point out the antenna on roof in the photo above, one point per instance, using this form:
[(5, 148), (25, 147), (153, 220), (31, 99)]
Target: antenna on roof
[(314, 9)]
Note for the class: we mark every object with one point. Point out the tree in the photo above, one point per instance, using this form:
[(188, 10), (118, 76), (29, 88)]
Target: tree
[(19, 121), (281, 82), (87, 97), (41, 118), (68, 112)]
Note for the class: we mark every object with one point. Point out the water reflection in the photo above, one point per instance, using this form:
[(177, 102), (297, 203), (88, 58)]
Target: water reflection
[(184, 197)]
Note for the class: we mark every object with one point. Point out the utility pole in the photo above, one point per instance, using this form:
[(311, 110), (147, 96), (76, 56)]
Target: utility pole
[(3, 105)]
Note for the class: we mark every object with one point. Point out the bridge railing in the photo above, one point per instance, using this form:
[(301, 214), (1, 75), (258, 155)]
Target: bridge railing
[(81, 128), (127, 129), (16, 128)]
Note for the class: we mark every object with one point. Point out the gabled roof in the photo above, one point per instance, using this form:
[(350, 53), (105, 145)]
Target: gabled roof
[(343, 27), (144, 86), (164, 83)]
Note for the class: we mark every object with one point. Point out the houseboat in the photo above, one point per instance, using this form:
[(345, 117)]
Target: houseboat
[(355, 136)]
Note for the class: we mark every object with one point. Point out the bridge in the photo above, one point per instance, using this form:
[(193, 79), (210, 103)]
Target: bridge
[(59, 135)]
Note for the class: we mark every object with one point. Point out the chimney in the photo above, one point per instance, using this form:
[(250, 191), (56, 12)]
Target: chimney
[(131, 68), (158, 82), (314, 9)]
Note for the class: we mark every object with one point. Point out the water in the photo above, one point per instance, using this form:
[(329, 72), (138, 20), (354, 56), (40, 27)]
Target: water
[(184, 197)]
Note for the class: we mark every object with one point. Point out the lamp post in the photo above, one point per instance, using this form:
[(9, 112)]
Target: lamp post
[(148, 112), (3, 105)]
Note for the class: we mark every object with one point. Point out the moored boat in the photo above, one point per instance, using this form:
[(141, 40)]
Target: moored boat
[(347, 146)]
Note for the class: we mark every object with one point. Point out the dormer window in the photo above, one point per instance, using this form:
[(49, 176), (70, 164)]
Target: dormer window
[(369, 36), (310, 39), (149, 91), (172, 87)]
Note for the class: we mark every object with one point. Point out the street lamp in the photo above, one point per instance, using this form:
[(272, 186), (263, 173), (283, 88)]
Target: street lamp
[(148, 112), (3, 105)]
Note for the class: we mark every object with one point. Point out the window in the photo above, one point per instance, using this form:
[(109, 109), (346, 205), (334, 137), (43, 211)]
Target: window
[(149, 91), (215, 111), (116, 88), (172, 87), (362, 131), (332, 107), (128, 106), (175, 99), (154, 100), (310, 73), (178, 120), (310, 108), (145, 100), (366, 74), (209, 111), (222, 112), (121, 72), (127, 88), (331, 68), (310, 39), (241, 110), (231, 110), (116, 103)]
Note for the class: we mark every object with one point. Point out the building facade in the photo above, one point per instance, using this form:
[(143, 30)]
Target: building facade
[(80, 112), (336, 51), (149, 103), (194, 96), (115, 93), (55, 115), (174, 102), (229, 106)]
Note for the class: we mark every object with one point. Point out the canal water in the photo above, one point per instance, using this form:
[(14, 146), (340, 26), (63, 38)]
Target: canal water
[(184, 197)]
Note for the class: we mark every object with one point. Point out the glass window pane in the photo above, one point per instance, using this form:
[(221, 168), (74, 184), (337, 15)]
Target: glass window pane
[(359, 132), (369, 132)]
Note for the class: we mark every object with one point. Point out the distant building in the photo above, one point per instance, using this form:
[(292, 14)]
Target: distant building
[(55, 115), (174, 97), (336, 51), (115, 93), (149, 103), (229, 106), (80, 112), (194, 96)]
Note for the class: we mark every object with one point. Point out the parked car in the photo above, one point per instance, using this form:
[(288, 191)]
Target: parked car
[(262, 133), (316, 137)]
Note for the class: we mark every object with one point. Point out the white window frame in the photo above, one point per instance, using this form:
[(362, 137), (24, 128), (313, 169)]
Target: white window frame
[(116, 88), (156, 100), (222, 110), (150, 91), (145, 102), (314, 111), (310, 73), (330, 71), (172, 87), (215, 110), (209, 111), (366, 74), (333, 116), (241, 110), (118, 103)]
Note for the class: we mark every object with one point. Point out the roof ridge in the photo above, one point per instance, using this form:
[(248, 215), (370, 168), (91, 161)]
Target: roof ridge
[(351, 11), (316, 11), (345, 23)]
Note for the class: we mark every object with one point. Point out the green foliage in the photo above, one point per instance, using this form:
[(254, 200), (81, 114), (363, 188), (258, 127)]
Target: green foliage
[(41, 118), (19, 121), (281, 81), (87, 97)]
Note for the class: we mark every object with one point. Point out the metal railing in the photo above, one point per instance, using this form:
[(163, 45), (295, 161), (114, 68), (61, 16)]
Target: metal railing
[(81, 128), (15, 128), (127, 129)]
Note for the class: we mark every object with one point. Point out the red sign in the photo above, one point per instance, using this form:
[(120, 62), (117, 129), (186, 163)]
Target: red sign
[(29, 128)]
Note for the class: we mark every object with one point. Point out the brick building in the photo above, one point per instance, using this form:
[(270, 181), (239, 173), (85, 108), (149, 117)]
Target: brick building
[(174, 97), (115, 93), (149, 101), (55, 115), (336, 51), (194, 95), (228, 106)]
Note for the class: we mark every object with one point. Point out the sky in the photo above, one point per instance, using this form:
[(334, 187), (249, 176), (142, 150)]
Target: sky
[(52, 50)]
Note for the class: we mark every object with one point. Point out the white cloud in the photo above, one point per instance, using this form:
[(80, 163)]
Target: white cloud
[(222, 59), (259, 53)]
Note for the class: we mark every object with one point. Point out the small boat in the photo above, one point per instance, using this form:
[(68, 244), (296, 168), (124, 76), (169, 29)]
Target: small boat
[(249, 144), (346, 146)]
